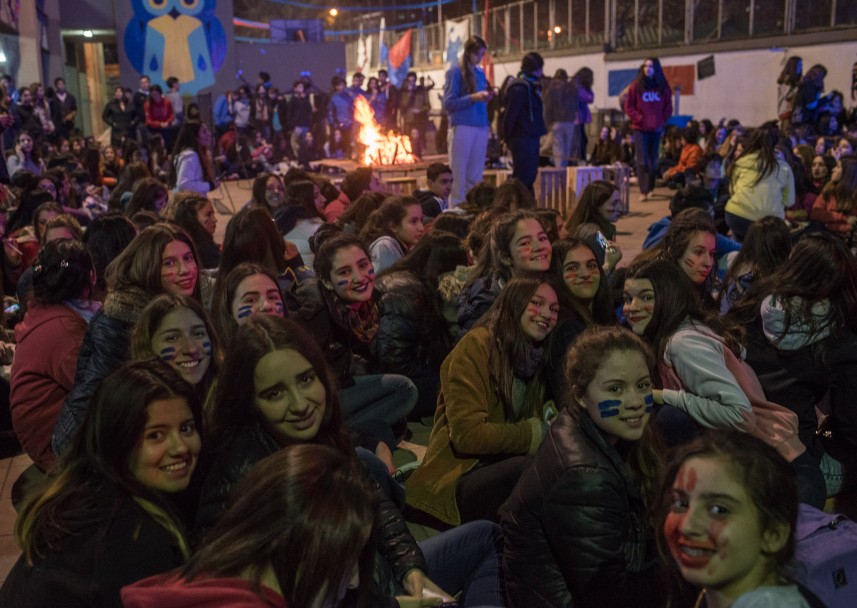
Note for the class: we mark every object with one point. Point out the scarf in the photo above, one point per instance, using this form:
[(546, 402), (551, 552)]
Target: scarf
[(360, 318), (526, 365)]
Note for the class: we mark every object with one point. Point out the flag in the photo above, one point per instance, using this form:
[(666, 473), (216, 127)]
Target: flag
[(456, 33), (399, 59)]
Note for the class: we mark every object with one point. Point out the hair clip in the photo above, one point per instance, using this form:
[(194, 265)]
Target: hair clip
[(37, 268), (64, 264)]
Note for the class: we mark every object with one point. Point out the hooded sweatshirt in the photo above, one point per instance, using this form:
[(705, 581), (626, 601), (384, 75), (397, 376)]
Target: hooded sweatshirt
[(49, 340), (168, 590)]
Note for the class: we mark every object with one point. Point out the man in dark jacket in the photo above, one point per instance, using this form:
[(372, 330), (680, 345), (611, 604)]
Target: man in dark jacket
[(436, 198), (523, 121)]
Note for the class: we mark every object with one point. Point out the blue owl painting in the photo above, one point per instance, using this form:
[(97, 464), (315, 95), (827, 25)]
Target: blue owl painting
[(181, 38)]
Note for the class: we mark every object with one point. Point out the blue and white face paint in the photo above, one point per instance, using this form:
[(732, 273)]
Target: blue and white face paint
[(619, 397), (257, 294), (182, 340)]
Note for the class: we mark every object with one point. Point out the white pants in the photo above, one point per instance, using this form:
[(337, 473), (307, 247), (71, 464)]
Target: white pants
[(467, 148)]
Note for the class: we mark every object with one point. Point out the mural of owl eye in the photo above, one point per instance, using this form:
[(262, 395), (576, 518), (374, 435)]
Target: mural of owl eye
[(190, 4), (157, 4)]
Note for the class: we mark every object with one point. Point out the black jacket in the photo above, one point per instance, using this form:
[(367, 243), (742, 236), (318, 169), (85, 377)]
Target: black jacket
[(120, 545), (796, 379), (524, 114), (121, 121), (575, 526), (251, 444), (411, 336)]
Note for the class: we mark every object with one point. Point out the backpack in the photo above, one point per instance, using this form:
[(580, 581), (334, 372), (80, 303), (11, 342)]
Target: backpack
[(826, 556)]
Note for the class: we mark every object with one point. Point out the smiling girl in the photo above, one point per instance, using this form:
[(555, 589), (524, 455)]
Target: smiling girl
[(107, 518), (248, 290), (729, 512), (340, 309), (689, 243), (161, 259), (517, 243), (280, 393), (176, 330), (489, 417), (392, 230), (705, 383), (576, 526)]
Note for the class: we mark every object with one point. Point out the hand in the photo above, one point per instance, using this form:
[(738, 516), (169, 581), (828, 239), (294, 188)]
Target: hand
[(612, 255), (658, 396), (7, 351), (416, 582), (291, 251), (13, 254), (851, 219), (481, 96)]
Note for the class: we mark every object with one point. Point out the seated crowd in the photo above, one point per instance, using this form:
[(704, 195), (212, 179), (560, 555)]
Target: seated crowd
[(602, 434)]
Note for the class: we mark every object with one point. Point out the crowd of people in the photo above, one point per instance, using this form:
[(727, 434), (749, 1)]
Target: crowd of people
[(214, 423)]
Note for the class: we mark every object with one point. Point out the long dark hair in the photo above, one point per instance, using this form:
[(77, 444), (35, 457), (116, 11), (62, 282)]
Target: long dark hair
[(139, 264), (473, 45), (252, 236), (678, 236), (587, 209), (188, 139), (496, 252), (657, 82), (675, 302), (586, 355), (762, 142), (106, 237), (792, 71), (764, 250), (766, 477), (503, 321), (844, 191), (434, 255), (185, 215), (392, 212), (602, 304), (306, 500), (820, 268), (101, 456), (235, 399)]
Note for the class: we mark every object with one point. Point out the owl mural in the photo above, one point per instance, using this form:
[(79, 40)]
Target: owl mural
[(181, 38)]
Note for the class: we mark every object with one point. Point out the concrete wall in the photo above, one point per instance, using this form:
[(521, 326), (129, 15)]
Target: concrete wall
[(744, 86)]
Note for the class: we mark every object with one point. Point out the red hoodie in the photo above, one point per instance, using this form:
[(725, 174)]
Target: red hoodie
[(168, 591), (648, 110)]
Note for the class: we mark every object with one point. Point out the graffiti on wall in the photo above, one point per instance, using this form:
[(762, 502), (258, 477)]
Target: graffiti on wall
[(180, 38)]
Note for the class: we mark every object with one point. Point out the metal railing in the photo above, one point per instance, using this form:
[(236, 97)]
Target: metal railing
[(620, 25)]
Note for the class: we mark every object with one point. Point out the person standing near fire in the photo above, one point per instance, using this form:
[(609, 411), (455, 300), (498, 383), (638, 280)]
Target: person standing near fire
[(466, 94), (523, 121)]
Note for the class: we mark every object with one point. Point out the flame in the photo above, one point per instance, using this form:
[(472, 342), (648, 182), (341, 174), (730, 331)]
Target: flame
[(380, 149)]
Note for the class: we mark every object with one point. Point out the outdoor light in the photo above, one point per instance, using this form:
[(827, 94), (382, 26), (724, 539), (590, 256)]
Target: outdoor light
[(333, 12), (557, 29), (87, 33)]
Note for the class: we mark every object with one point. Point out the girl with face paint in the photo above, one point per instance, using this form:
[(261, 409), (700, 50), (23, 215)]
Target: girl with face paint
[(341, 311), (727, 520), (703, 381), (177, 330), (491, 413), (577, 511), (246, 291)]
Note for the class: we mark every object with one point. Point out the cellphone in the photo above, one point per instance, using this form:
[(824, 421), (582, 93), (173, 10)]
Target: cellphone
[(602, 240), (12, 308)]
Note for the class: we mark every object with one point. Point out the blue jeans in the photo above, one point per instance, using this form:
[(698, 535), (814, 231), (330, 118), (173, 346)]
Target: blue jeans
[(466, 559), (646, 149), (375, 402), (738, 225)]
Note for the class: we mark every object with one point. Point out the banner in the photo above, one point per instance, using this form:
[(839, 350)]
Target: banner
[(457, 33), (399, 59)]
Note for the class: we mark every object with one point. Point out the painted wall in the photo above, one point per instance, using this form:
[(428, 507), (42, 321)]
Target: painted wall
[(193, 44), (743, 87), (88, 14)]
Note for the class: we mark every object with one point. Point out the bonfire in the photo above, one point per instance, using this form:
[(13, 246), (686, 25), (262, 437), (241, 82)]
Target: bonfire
[(380, 149)]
